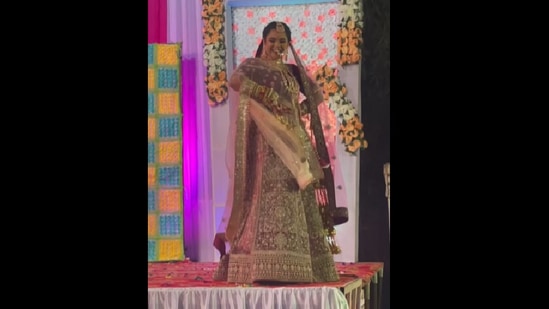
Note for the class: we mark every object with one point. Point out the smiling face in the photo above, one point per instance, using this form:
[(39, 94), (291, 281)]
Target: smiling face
[(275, 43)]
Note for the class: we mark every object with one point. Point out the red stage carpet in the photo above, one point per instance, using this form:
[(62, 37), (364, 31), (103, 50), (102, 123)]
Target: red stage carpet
[(359, 282)]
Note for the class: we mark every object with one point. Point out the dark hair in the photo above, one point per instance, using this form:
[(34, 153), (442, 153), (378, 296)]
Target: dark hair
[(294, 69), (270, 26)]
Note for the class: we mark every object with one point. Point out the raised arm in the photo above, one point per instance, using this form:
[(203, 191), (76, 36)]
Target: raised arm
[(241, 73)]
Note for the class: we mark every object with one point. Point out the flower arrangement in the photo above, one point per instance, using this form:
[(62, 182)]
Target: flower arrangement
[(349, 35), (348, 52), (350, 129), (214, 52), (349, 44)]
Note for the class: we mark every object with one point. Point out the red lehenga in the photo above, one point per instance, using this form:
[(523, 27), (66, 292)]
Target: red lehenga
[(275, 229)]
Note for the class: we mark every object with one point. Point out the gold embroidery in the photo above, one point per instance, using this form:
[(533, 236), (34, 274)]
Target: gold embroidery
[(293, 247)]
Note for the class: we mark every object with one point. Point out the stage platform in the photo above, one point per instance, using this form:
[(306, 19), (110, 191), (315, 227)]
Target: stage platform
[(185, 284)]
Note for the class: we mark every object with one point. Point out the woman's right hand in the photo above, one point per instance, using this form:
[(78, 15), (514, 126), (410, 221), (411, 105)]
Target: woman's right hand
[(236, 80)]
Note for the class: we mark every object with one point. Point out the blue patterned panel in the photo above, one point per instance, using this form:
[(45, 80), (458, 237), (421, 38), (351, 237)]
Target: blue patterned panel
[(151, 54), (170, 127), (152, 200), (151, 153), (170, 176), (152, 250), (170, 225), (151, 103), (167, 78)]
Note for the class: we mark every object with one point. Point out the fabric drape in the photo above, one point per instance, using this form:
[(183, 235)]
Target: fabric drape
[(157, 26), (275, 230)]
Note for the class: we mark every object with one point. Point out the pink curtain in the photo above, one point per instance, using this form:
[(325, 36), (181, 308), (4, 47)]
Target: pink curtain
[(158, 21), (185, 27)]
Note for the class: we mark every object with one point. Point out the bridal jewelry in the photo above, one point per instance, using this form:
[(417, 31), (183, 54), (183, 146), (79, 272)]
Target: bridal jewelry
[(288, 79)]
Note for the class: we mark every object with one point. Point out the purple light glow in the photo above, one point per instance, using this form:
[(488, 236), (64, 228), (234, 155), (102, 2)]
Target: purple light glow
[(185, 27), (190, 152)]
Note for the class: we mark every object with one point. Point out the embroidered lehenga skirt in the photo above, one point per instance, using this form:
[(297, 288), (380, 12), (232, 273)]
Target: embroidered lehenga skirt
[(282, 237)]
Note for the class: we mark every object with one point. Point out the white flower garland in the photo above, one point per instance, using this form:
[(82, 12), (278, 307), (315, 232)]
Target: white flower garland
[(350, 130), (214, 51)]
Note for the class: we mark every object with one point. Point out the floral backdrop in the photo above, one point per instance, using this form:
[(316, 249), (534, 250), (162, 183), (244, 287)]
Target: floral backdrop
[(314, 31), (324, 35)]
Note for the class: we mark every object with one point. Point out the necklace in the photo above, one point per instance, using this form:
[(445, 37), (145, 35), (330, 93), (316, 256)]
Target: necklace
[(288, 79)]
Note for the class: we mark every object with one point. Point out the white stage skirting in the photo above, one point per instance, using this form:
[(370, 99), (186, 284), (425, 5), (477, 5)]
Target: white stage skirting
[(185, 284), (247, 298)]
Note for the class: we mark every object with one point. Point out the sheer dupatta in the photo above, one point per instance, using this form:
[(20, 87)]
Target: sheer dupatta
[(266, 107), (325, 190), (220, 236)]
